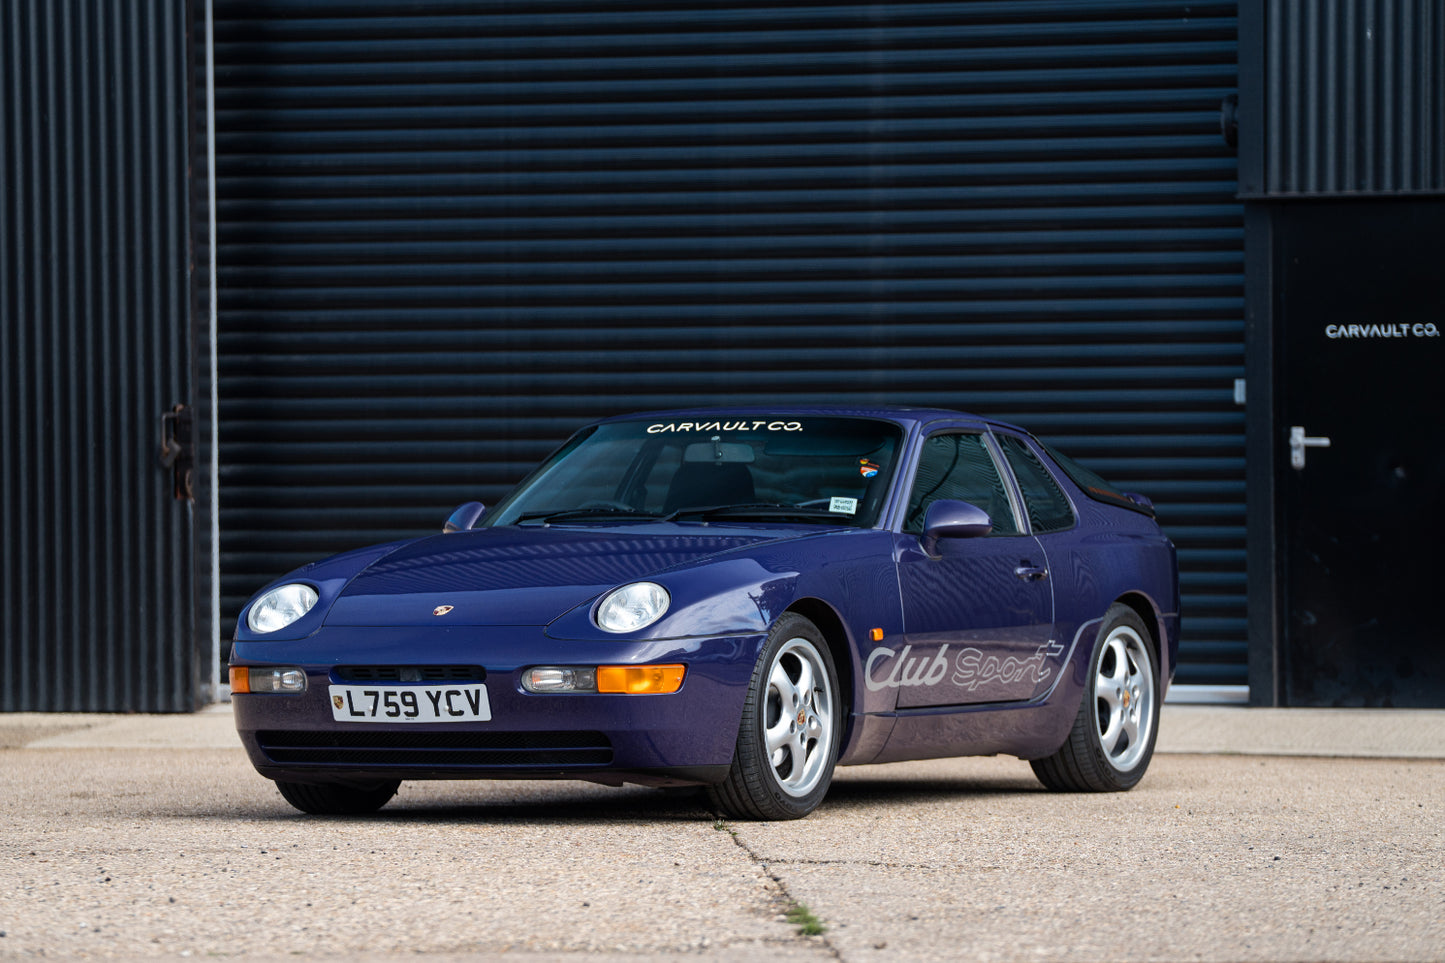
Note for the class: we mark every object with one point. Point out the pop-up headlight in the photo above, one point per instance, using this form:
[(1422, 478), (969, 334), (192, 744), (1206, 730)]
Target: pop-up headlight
[(280, 607), (632, 607)]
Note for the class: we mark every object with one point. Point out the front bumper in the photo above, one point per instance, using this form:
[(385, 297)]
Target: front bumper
[(684, 737)]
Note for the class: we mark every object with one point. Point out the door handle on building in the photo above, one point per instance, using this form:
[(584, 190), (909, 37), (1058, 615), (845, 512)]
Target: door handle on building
[(178, 450), (1298, 442)]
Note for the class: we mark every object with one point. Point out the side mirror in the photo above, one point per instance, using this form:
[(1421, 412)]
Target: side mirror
[(464, 517), (947, 518), (1142, 501)]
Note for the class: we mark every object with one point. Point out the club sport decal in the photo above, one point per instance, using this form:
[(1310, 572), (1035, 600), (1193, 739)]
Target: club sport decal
[(968, 669)]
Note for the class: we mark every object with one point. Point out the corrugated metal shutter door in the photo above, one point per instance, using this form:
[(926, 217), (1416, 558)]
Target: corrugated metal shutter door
[(1355, 101), (450, 235)]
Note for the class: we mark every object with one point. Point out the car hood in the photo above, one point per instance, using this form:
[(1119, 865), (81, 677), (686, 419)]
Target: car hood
[(518, 576)]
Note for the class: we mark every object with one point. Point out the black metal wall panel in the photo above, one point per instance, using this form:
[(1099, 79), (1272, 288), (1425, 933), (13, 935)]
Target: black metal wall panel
[(94, 290), (451, 232), (1354, 97)]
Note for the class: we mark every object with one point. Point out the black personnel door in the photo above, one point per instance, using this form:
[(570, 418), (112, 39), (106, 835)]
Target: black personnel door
[(1360, 383)]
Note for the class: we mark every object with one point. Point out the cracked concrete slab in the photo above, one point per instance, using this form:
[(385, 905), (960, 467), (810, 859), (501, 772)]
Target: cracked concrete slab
[(1211, 858), (173, 848), (136, 854)]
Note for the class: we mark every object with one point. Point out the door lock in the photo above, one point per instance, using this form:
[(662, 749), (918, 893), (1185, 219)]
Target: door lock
[(1298, 442)]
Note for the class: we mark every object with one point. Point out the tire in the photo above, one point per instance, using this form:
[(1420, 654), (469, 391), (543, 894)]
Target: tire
[(1113, 736), (336, 799), (782, 767)]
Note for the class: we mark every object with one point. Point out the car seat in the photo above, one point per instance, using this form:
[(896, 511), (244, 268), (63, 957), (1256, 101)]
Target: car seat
[(704, 485)]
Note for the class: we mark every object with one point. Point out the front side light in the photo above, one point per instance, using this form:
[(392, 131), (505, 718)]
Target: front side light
[(280, 607), (560, 678), (632, 607), (614, 679), (270, 678)]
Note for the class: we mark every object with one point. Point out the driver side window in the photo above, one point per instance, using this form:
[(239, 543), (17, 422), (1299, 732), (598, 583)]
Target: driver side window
[(959, 466)]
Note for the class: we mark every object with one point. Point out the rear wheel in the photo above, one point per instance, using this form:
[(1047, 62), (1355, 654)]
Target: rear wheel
[(337, 799), (1113, 736), (791, 728)]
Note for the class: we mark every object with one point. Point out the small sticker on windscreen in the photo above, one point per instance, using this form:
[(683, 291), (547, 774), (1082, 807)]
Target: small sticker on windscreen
[(843, 506)]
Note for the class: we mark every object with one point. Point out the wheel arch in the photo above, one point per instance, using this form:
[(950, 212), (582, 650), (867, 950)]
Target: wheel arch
[(1149, 614), (822, 615)]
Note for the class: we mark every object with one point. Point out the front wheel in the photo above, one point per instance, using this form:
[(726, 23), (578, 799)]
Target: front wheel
[(337, 799), (791, 728), (1113, 736)]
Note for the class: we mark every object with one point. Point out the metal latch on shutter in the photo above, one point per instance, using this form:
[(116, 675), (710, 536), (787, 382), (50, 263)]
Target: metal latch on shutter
[(178, 450)]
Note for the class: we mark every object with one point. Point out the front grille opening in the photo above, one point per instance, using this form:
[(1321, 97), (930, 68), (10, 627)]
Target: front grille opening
[(466, 750), (409, 673)]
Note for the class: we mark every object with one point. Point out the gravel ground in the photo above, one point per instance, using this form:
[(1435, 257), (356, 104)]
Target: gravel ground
[(184, 853)]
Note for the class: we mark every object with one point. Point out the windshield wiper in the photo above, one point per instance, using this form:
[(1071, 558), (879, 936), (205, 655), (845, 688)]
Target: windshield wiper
[(584, 514), (762, 510)]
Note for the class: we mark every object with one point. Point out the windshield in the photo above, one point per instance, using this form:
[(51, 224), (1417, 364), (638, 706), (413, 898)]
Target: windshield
[(787, 468)]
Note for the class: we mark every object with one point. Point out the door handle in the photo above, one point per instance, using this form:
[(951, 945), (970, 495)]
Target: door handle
[(1298, 442), (1030, 573), (177, 452)]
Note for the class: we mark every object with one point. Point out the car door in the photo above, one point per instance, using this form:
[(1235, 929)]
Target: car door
[(978, 614), (1052, 522)]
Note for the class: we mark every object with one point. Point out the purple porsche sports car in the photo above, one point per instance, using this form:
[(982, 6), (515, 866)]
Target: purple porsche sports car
[(741, 599)]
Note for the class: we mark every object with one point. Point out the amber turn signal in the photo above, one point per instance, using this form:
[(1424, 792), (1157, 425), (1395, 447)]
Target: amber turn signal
[(640, 679)]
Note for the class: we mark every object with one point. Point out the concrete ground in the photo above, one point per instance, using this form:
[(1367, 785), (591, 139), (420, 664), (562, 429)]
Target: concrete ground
[(1289, 835)]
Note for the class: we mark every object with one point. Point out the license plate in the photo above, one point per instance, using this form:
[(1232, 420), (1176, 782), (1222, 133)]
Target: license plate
[(410, 703)]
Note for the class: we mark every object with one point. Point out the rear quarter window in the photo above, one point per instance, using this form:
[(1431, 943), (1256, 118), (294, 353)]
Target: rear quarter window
[(1047, 505), (1094, 486)]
